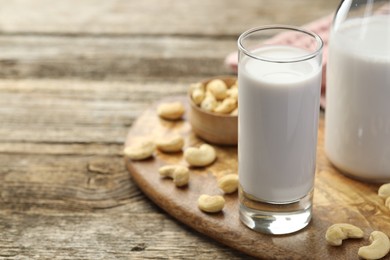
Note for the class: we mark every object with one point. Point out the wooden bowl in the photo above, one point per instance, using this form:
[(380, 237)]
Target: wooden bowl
[(212, 127)]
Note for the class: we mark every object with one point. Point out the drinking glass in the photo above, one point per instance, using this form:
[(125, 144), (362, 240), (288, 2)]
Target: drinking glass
[(279, 94)]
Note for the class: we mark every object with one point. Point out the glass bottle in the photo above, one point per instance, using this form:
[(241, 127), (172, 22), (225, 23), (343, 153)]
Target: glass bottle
[(357, 116)]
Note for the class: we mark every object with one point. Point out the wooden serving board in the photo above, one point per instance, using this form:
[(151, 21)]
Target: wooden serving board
[(337, 198)]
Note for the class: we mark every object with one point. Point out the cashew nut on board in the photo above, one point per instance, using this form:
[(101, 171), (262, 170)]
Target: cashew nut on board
[(379, 247), (340, 231), (140, 151), (228, 183), (180, 174), (202, 156), (170, 144), (211, 204), (171, 111)]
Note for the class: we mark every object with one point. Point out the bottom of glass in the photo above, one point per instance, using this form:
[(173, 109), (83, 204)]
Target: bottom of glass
[(275, 219)]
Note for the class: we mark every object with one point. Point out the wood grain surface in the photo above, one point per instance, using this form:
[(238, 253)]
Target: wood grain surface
[(74, 77), (336, 198)]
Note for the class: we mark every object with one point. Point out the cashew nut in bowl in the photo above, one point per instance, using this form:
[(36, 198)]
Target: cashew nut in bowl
[(170, 144), (180, 174), (209, 103), (232, 92), (340, 231), (384, 191), (379, 247), (226, 106), (234, 112), (140, 151), (218, 88), (202, 156), (387, 202), (197, 85), (211, 204), (197, 93), (171, 111), (197, 96)]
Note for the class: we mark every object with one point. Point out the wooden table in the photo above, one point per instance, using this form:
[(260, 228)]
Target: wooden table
[(74, 75)]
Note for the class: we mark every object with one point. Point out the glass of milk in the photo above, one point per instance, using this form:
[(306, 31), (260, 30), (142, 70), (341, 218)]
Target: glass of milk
[(279, 93), (357, 116)]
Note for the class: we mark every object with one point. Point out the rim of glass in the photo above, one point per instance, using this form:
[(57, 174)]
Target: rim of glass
[(311, 55)]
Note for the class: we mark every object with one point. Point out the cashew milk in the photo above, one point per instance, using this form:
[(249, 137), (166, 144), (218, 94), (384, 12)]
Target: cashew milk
[(278, 121), (357, 132)]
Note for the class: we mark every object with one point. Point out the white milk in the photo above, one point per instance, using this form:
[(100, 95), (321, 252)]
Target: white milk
[(278, 119), (357, 133)]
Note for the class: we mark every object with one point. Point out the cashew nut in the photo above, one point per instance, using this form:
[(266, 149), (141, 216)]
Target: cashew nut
[(218, 88), (140, 151), (216, 96), (197, 92), (379, 247), (197, 85), (179, 174), (208, 103), (170, 144), (202, 156), (198, 96), (384, 191), (340, 231), (171, 111), (211, 204), (226, 106), (233, 92), (228, 183), (234, 112), (387, 202), (209, 94)]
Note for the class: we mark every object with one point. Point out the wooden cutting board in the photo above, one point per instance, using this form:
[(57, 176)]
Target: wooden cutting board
[(337, 198)]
